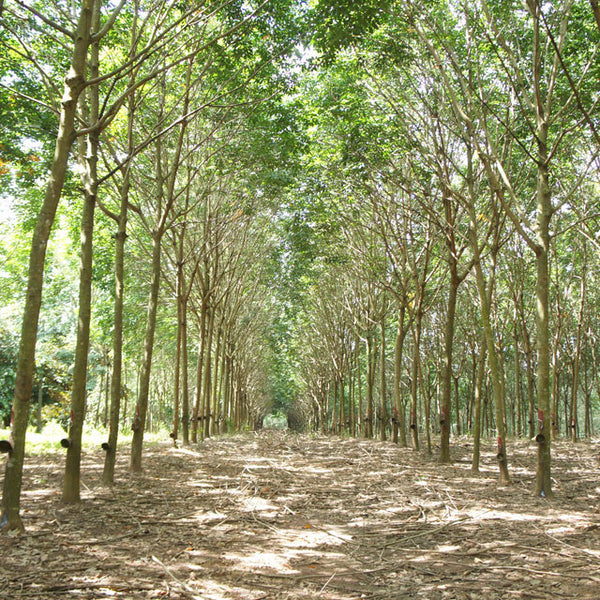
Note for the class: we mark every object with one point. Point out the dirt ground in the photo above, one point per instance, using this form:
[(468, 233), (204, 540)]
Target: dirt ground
[(282, 516)]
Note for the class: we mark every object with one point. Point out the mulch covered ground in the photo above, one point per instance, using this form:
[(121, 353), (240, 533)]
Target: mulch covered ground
[(284, 516)]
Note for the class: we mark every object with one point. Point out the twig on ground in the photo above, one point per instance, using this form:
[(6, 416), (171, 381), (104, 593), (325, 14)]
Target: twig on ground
[(184, 585)]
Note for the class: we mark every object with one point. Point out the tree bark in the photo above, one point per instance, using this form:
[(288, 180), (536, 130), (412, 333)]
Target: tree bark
[(206, 385), (543, 485), (185, 399), (199, 374), (414, 393), (490, 341), (577, 350), (446, 404), (384, 410), (110, 457), (71, 486), (139, 420), (370, 385), (399, 431), (477, 406)]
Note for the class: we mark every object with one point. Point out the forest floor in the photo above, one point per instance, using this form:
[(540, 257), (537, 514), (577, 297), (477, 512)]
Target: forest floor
[(283, 516)]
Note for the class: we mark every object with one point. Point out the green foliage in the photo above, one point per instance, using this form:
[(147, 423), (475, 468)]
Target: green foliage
[(276, 420), (54, 379), (325, 176), (28, 124), (8, 361), (339, 24)]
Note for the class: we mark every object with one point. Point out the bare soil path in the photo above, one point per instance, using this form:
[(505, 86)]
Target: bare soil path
[(282, 516)]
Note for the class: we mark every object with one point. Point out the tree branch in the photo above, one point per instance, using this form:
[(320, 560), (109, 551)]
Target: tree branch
[(46, 20), (109, 23)]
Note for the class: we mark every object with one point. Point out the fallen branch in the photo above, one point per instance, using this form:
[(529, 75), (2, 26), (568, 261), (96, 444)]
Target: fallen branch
[(428, 532)]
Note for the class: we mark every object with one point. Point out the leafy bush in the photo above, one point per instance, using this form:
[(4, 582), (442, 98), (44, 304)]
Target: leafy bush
[(8, 362), (55, 380)]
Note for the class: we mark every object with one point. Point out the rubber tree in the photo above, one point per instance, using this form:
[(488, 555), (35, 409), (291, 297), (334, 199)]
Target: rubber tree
[(534, 83), (166, 195), (88, 158), (75, 83), (484, 289)]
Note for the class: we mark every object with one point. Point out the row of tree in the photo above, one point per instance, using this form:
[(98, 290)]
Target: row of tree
[(379, 217), (459, 154), (160, 122)]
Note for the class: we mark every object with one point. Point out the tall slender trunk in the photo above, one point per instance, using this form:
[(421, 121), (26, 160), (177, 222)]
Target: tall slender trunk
[(399, 433), (226, 389), (71, 484), (360, 416), (106, 388), (588, 398), (446, 404), (456, 380), (495, 374), (177, 375), (543, 216), (74, 84), (370, 385), (383, 386), (577, 350), (477, 405), (555, 395), (334, 413), (116, 382), (166, 196), (518, 399), (199, 373), (530, 385), (108, 473), (139, 420), (215, 410), (206, 386), (414, 393), (185, 396)]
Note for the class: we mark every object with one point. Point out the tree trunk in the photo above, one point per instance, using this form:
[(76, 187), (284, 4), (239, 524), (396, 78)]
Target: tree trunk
[(199, 374), (446, 404), (359, 421), (177, 375), (490, 341), (107, 378), (116, 384), (518, 399), (576, 358), (544, 212), (74, 84), (399, 417), (477, 406), (216, 409), (139, 420), (416, 367), (370, 385), (71, 486), (206, 386), (185, 396), (384, 410), (456, 380)]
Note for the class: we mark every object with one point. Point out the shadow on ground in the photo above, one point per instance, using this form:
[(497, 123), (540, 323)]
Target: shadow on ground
[(282, 516)]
